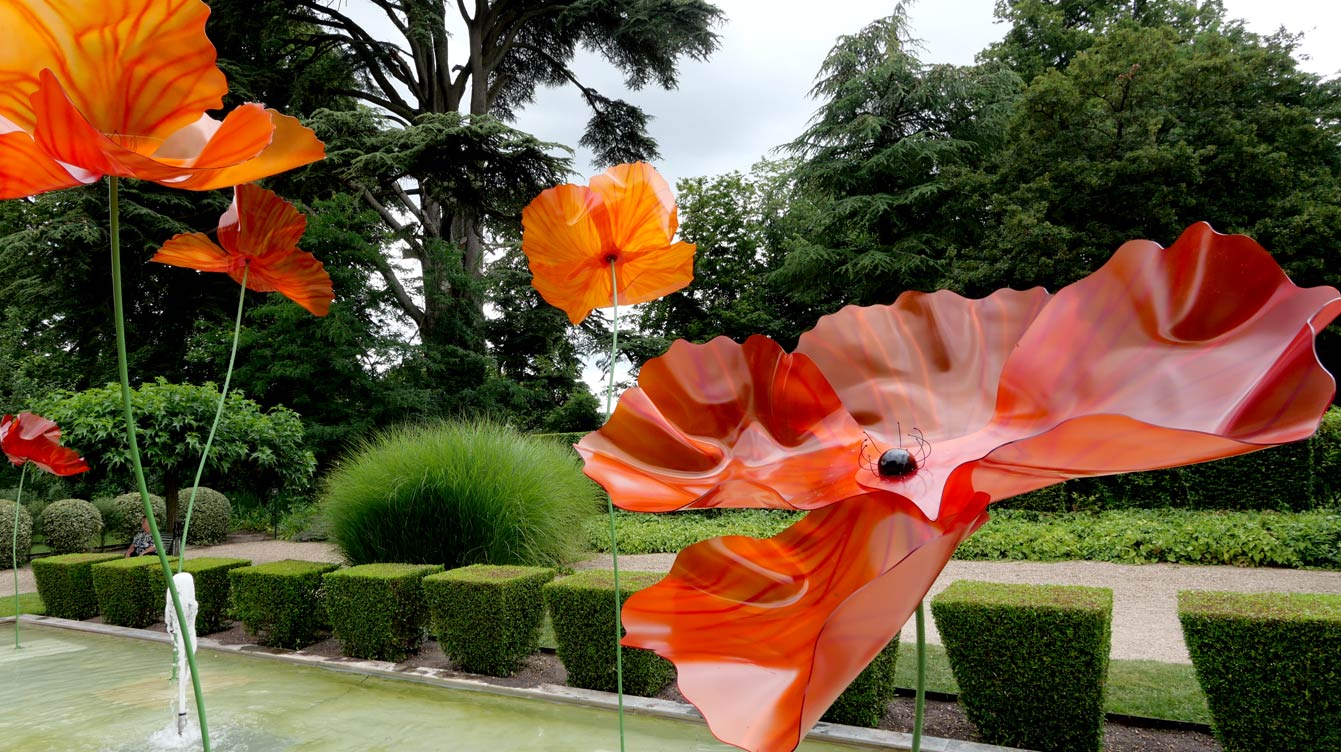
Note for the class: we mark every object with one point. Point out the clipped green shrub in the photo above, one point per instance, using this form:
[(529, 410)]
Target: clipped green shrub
[(7, 542), (281, 603), (458, 494), (209, 521), (377, 610), (212, 589), (1031, 661), (1327, 458), (65, 583), (1270, 665), (129, 509), (1280, 478), (865, 700), (71, 525), (35, 508), (487, 617), (129, 591), (582, 607)]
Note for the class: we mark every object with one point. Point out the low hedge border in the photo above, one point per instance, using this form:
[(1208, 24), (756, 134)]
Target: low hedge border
[(487, 617), (281, 603), (582, 609), (1031, 661), (377, 610), (1270, 665), (866, 699), (65, 583), (130, 591), (212, 589)]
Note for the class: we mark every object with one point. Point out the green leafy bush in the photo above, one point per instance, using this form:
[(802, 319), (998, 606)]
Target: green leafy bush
[(1031, 661), (210, 520), (66, 583), (1270, 664), (70, 525), (457, 494), (671, 532), (129, 591), (212, 589), (129, 509), (7, 532), (281, 603), (865, 700), (582, 607), (487, 617), (35, 508), (1279, 478), (378, 610)]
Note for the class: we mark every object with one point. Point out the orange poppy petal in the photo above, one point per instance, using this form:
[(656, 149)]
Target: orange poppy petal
[(765, 634), (259, 221), (651, 274), (196, 251), (726, 425), (26, 170), (292, 145), (566, 251), (295, 274), (143, 68), (640, 208), (32, 438)]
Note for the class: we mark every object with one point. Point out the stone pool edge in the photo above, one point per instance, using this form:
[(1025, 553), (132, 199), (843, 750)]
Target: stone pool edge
[(828, 732)]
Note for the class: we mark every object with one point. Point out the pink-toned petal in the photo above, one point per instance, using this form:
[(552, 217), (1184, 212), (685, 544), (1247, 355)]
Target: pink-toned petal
[(765, 634), (726, 425)]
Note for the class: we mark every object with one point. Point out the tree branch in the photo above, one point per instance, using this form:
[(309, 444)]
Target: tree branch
[(393, 283)]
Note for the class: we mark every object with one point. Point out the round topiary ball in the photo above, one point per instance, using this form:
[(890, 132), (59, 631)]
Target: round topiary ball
[(129, 510), (209, 521), (7, 532), (70, 525)]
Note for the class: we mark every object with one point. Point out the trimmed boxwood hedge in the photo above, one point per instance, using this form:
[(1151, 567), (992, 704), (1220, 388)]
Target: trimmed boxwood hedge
[(865, 700), (281, 603), (209, 519), (212, 589), (130, 591), (1270, 665), (128, 511), (65, 584), (582, 608), (487, 617), (377, 610), (70, 525), (1031, 661)]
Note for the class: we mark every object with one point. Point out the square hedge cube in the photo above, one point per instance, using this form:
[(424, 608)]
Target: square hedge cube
[(1270, 664), (130, 591), (866, 699), (212, 589), (582, 607), (1031, 661), (487, 617), (66, 584), (281, 603), (378, 610)]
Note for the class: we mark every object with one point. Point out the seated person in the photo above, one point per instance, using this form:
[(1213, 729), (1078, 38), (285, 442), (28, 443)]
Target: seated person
[(143, 544)]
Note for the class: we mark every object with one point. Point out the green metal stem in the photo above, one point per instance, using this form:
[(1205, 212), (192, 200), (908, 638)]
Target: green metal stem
[(14, 551), (920, 704), (123, 371), (218, 414), (610, 506)]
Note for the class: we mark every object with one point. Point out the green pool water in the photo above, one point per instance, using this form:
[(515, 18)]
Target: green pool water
[(67, 690)]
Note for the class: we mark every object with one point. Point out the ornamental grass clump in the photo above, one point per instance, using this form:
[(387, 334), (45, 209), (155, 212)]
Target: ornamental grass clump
[(458, 494)]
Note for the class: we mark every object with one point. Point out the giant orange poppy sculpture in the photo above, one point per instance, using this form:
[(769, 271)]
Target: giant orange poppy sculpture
[(898, 425), (121, 88), (258, 247), (608, 243)]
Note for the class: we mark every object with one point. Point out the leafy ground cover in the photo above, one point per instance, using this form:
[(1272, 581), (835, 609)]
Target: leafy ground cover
[(1133, 536)]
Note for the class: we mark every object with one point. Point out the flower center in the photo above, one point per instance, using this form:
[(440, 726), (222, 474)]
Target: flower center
[(896, 463)]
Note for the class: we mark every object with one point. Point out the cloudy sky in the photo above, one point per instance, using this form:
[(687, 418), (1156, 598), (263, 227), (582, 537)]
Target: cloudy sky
[(752, 94)]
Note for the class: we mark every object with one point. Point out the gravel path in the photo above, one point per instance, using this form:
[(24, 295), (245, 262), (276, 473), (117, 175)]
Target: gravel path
[(1145, 617)]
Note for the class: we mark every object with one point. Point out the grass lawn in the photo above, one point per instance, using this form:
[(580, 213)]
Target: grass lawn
[(29, 603)]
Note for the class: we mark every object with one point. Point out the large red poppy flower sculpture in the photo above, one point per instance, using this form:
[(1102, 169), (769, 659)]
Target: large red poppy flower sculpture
[(259, 233), (899, 424), (28, 437), (120, 87), (572, 234)]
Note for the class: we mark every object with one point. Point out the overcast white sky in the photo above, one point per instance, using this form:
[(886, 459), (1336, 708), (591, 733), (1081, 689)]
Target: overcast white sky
[(752, 94)]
